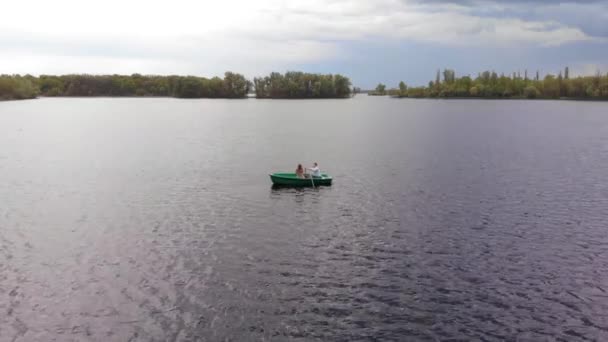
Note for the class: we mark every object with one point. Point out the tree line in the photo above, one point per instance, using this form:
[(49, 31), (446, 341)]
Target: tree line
[(302, 85), (489, 84), (233, 85), (22, 87)]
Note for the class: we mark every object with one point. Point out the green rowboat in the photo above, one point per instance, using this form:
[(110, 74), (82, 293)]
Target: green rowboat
[(290, 179)]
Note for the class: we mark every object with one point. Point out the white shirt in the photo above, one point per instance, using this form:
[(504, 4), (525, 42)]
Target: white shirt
[(316, 172)]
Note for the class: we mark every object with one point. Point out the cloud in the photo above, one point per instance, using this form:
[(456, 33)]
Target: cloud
[(254, 37), (389, 19), (589, 16)]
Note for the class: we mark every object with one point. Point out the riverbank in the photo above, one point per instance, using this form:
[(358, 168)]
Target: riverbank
[(504, 98), (7, 100), (339, 98)]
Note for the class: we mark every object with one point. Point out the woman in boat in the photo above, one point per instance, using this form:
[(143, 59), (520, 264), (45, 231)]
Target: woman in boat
[(300, 171)]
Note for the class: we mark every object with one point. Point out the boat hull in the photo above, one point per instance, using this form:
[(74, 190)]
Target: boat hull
[(291, 180)]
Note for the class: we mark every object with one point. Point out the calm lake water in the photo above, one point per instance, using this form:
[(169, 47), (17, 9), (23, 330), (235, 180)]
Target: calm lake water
[(155, 220)]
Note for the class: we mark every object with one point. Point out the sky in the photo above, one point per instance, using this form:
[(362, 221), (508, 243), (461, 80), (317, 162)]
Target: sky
[(370, 41)]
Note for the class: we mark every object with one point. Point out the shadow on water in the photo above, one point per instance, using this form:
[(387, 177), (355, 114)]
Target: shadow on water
[(299, 194), (291, 189)]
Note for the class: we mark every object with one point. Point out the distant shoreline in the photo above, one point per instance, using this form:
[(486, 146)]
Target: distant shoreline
[(294, 85), (490, 85), (290, 85), (7, 100), (177, 98), (573, 99), (504, 98)]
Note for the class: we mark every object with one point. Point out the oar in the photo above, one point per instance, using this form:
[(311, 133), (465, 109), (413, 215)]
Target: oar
[(313, 182)]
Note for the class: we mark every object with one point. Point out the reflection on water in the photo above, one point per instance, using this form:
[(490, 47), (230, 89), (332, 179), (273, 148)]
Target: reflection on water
[(154, 220)]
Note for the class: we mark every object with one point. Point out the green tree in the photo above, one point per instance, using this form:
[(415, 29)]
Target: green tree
[(342, 85), (302, 85), (402, 89), (474, 91), (551, 86), (417, 92), (17, 87), (379, 91), (449, 76), (235, 85), (531, 92)]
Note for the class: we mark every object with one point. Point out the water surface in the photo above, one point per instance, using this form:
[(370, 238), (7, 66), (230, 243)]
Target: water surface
[(155, 220)]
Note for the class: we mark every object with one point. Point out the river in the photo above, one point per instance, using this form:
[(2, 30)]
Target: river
[(134, 219)]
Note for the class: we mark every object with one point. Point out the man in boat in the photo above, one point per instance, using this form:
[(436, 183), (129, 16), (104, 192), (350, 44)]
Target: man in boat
[(315, 171)]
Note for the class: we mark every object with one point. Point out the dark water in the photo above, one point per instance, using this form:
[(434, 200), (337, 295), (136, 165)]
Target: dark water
[(154, 220)]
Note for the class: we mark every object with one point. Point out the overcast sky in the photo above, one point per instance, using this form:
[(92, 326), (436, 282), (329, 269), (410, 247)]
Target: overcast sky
[(370, 41)]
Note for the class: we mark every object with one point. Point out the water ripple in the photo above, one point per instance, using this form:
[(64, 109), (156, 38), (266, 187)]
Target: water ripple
[(448, 221)]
